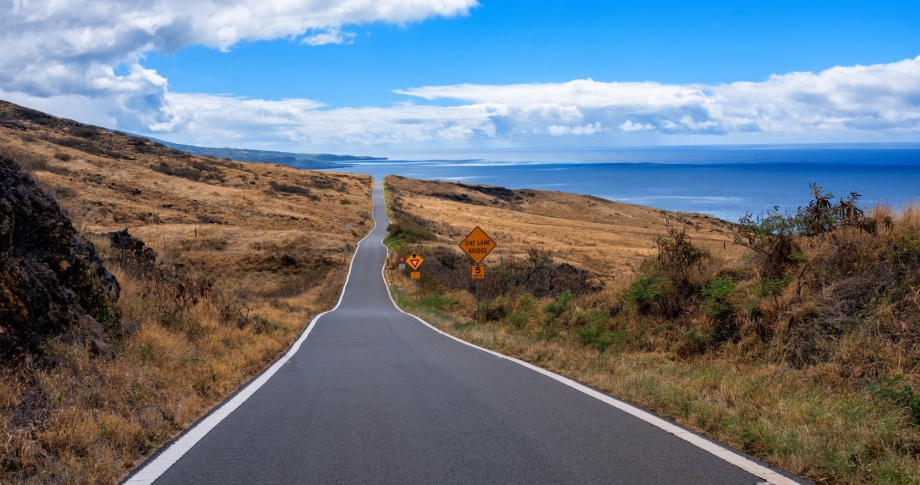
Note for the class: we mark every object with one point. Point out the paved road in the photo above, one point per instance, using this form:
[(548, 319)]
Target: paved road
[(375, 396)]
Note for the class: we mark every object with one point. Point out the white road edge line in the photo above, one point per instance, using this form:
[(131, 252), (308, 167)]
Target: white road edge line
[(192, 436), (704, 444)]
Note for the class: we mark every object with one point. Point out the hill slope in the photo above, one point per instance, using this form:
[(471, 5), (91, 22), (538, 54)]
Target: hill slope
[(608, 238), (221, 265)]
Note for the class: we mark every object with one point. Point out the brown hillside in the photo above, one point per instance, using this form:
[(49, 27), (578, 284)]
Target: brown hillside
[(233, 260), (605, 237), (110, 181)]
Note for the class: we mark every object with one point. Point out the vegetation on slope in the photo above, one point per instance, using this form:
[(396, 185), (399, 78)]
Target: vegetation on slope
[(221, 266), (804, 350)]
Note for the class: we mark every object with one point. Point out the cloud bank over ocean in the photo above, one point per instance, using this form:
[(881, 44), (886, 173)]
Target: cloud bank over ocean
[(86, 61), (84, 58)]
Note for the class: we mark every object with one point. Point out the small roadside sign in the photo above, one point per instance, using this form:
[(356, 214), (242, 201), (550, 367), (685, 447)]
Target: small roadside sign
[(344, 262), (402, 259), (477, 245), (416, 275), (415, 260), (478, 272)]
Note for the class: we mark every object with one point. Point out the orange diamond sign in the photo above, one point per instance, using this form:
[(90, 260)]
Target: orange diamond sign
[(415, 260), (477, 245)]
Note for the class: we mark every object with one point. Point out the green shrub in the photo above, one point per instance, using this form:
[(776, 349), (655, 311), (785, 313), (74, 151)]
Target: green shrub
[(523, 314), (554, 309), (773, 287), (897, 391), (718, 298), (593, 329), (719, 303), (649, 293)]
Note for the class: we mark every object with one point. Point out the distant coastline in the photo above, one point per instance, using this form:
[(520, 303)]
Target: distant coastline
[(310, 161), (725, 181), (722, 181)]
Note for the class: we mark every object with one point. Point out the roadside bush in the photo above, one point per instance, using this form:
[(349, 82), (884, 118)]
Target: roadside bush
[(497, 309), (524, 313), (678, 258), (719, 303), (553, 310), (538, 275), (650, 293), (592, 327), (899, 392)]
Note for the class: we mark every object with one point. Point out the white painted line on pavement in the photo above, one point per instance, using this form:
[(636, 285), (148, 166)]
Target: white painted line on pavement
[(191, 437), (704, 444)]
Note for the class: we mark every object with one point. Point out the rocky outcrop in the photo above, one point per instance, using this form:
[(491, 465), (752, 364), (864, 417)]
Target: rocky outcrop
[(51, 280)]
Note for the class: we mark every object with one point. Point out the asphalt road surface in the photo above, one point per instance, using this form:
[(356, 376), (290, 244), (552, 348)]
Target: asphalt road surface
[(375, 396)]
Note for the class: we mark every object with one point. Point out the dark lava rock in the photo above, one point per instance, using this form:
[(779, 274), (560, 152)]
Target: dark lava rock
[(132, 253), (51, 280)]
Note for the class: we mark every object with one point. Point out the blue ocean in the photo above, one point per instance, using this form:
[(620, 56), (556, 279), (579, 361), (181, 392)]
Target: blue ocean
[(726, 181)]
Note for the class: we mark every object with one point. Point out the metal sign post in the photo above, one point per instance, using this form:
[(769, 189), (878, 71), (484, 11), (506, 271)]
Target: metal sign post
[(478, 273), (477, 246), (415, 261)]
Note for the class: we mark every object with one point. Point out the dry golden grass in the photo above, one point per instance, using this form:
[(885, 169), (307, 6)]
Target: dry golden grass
[(268, 238), (608, 238), (784, 416), (802, 397)]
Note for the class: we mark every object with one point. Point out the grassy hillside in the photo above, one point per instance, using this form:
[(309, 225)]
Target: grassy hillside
[(795, 338), (222, 266)]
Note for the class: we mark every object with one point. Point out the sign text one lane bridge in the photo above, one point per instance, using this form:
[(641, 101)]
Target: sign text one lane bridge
[(477, 245)]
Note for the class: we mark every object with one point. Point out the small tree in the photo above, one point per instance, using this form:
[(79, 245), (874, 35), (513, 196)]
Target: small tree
[(775, 237)]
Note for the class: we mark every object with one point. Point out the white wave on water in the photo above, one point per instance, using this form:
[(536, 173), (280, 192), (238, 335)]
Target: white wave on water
[(654, 199)]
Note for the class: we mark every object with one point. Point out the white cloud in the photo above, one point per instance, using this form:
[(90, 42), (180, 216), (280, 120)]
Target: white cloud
[(583, 130), (840, 104), (68, 50), (629, 126), (84, 59), (871, 102), (212, 120), (331, 36)]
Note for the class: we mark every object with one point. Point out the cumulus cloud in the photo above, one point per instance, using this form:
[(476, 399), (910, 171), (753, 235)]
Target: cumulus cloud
[(839, 104), (870, 101), (69, 51), (582, 130), (212, 120), (630, 126), (331, 36), (84, 59)]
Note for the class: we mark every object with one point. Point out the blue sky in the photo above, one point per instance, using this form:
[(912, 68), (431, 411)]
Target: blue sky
[(365, 75)]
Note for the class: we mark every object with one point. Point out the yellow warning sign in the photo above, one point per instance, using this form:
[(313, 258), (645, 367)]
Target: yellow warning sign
[(477, 245), (478, 272), (415, 260), (416, 275)]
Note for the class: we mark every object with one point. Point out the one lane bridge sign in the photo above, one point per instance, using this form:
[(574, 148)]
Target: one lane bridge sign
[(477, 245)]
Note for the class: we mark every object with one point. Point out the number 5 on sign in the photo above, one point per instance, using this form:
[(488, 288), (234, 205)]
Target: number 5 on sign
[(478, 272)]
